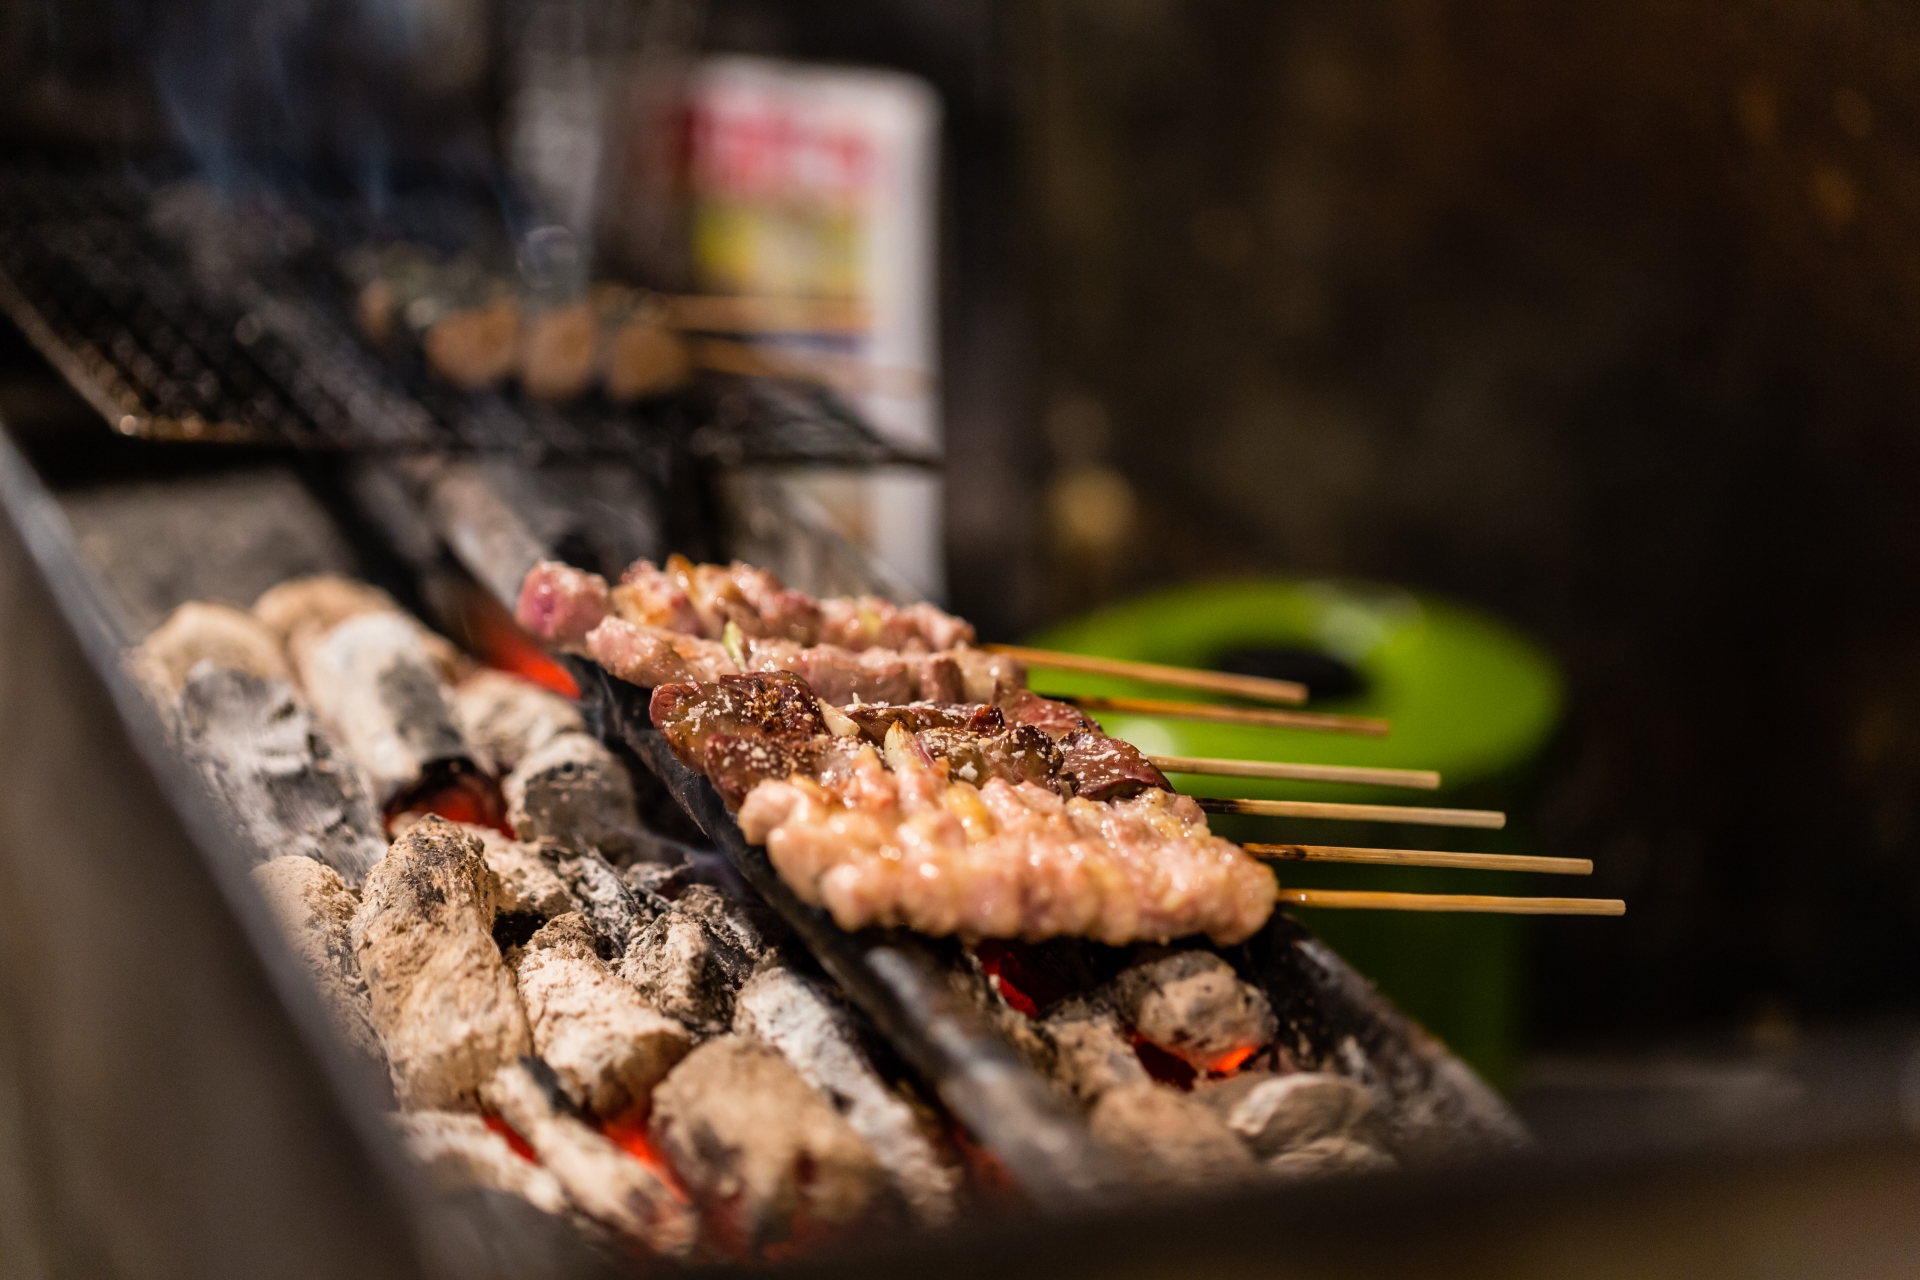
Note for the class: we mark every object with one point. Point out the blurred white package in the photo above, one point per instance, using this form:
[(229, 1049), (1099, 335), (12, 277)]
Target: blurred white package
[(821, 183)]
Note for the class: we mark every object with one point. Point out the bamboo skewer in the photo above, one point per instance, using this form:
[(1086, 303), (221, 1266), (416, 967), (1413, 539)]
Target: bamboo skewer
[(1419, 779), (1361, 900), (1368, 726), (1256, 688), (1421, 858), (1490, 819)]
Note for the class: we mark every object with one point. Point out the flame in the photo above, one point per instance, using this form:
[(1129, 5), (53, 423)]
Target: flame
[(514, 1140), (497, 640)]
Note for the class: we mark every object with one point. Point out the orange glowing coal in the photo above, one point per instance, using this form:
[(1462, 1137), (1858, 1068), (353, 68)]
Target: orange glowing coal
[(514, 1140), (465, 797), (629, 1133), (497, 640)]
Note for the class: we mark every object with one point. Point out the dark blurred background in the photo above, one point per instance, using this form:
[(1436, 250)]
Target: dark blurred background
[(1605, 319)]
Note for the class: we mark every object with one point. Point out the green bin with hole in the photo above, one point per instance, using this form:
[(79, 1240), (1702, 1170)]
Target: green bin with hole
[(1465, 695)]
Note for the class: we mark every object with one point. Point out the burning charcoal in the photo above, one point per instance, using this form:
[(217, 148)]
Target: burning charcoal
[(1091, 1053), (1273, 1114), (375, 686), (607, 1045), (459, 1150), (507, 718), (753, 928), (604, 1182), (687, 969), (747, 1132), (610, 907), (1167, 1138), (1328, 1157), (275, 773), (442, 1000), (315, 910), (816, 1034), (194, 633), (573, 792), (302, 607), (529, 886), (1192, 1004)]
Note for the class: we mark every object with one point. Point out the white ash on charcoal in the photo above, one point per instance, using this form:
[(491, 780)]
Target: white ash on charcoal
[(573, 791), (506, 718), (302, 607), (688, 967), (529, 885), (1195, 1007), (1274, 1114), (196, 632), (607, 1046), (747, 1132), (605, 1183), (315, 909), (616, 913), (1091, 1052), (442, 999), (458, 1150), (1328, 1158), (815, 1032), (1168, 1139), (375, 686), (274, 772)]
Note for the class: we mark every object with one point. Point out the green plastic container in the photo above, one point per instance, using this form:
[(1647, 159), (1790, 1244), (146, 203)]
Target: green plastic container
[(1466, 696)]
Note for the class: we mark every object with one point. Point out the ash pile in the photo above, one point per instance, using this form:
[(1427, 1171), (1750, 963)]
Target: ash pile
[(607, 1025)]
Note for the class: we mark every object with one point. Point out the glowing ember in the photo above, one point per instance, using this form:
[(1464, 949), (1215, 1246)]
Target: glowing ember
[(514, 1140), (466, 798), (497, 640), (1020, 975), (1161, 1065), (629, 1133), (1231, 1061)]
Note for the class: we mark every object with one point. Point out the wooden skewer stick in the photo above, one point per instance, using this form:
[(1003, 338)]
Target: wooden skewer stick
[(1368, 726), (1362, 900), (1492, 819), (1419, 779), (1256, 688), (1421, 858)]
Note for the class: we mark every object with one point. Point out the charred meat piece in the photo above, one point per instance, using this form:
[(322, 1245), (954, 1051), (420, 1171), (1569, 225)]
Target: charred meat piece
[(1103, 768), (774, 705), (736, 765), (1019, 754), (875, 718), (440, 995), (1055, 719)]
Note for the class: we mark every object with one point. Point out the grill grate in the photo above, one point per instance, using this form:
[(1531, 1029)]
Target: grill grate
[(237, 345)]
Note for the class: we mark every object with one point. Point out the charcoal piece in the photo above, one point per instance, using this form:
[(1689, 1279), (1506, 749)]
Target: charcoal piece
[(604, 1182), (1167, 1138), (1277, 1113), (315, 910), (529, 886), (442, 1000), (224, 637), (1091, 1053), (301, 608), (818, 1035), (1330, 1157), (573, 791), (375, 686), (1193, 1005), (457, 1149), (613, 910), (687, 969), (507, 718), (749, 924), (607, 1046), (747, 1132), (275, 774)]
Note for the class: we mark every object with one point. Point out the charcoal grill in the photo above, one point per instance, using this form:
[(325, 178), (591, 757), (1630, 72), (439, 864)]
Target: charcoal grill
[(218, 1128)]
